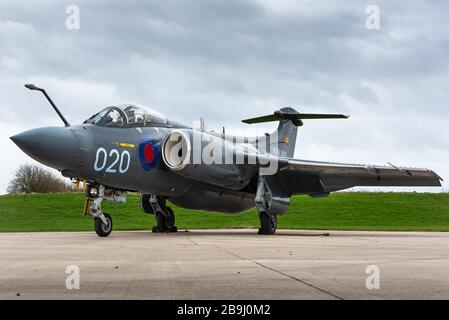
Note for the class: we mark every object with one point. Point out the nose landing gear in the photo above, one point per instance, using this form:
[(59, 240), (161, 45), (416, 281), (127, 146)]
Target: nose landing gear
[(102, 220)]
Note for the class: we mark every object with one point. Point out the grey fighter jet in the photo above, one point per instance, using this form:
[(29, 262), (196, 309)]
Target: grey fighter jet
[(127, 147)]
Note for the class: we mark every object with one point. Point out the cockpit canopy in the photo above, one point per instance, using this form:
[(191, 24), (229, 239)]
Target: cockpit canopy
[(126, 115)]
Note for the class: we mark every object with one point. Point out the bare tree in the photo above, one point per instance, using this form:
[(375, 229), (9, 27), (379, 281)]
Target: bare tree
[(33, 178)]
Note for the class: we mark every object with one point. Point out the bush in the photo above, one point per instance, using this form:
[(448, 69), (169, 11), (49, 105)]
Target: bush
[(33, 178)]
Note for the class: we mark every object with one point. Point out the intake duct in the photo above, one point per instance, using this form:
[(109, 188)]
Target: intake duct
[(176, 150)]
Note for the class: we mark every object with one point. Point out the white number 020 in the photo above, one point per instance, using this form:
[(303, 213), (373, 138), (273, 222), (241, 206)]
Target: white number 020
[(101, 160)]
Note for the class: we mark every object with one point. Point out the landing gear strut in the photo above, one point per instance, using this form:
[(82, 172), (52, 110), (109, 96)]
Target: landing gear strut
[(165, 221), (102, 220), (165, 217), (268, 220)]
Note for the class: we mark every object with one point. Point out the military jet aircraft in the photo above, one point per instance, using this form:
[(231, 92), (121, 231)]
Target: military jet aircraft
[(127, 147)]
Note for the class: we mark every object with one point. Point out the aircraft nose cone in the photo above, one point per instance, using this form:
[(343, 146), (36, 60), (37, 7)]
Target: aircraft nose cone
[(51, 146)]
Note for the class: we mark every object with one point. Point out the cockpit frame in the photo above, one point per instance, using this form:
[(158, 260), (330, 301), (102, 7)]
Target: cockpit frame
[(126, 116)]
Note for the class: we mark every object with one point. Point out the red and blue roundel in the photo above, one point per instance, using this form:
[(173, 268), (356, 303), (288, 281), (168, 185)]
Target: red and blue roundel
[(149, 153)]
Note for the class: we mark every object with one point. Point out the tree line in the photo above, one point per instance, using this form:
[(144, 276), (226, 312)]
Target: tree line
[(30, 178)]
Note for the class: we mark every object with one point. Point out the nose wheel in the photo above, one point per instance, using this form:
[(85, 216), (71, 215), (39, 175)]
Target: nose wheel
[(102, 220), (103, 229)]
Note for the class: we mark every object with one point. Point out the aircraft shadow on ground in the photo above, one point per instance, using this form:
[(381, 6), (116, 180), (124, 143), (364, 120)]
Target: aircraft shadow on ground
[(279, 233)]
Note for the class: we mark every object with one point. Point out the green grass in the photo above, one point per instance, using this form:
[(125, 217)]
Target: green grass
[(340, 211)]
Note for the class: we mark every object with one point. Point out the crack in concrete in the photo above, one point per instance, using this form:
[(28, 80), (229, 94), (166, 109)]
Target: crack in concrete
[(282, 273), (196, 243), (299, 280)]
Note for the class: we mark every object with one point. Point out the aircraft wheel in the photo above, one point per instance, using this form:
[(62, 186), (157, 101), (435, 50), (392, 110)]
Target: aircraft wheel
[(170, 220), (160, 223), (166, 221), (145, 204), (101, 229), (268, 223)]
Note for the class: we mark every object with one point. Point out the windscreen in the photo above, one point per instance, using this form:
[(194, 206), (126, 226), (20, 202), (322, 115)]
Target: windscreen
[(126, 115), (142, 116)]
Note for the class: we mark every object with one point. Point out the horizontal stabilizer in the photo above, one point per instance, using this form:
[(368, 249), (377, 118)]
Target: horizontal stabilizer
[(294, 116), (267, 118)]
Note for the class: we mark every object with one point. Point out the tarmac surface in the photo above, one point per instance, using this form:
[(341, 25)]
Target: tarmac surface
[(225, 264)]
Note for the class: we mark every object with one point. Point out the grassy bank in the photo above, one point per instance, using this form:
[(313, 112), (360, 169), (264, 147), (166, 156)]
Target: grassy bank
[(340, 211)]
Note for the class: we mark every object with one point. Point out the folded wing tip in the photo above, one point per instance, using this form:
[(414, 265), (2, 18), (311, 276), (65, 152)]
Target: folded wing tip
[(437, 175)]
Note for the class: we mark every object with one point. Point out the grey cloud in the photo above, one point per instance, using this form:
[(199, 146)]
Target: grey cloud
[(227, 60)]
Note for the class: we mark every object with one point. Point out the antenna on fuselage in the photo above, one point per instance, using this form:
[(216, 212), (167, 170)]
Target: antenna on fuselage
[(33, 87), (202, 124)]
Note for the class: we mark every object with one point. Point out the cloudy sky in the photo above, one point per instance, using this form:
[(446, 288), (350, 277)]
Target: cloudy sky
[(234, 59)]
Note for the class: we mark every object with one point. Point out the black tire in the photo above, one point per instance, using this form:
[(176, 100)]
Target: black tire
[(268, 223), (169, 219), (165, 221), (160, 223), (100, 228), (145, 204)]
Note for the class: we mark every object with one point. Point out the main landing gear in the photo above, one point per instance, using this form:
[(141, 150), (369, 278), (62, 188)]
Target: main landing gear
[(165, 217), (102, 220), (263, 199)]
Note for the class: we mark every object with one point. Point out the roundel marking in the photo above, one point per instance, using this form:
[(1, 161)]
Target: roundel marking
[(149, 153)]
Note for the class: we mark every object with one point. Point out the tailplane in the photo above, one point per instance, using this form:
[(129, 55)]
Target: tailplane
[(289, 119)]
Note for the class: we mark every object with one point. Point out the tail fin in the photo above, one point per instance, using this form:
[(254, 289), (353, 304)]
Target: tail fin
[(285, 138), (289, 121)]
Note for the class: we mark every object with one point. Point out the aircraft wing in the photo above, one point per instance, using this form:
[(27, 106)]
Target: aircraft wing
[(314, 177)]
